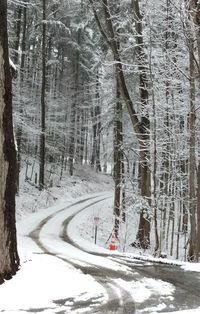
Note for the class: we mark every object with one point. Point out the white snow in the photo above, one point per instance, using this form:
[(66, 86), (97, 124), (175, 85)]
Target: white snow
[(191, 266), (196, 311), (42, 280), (50, 283), (12, 64), (142, 290)]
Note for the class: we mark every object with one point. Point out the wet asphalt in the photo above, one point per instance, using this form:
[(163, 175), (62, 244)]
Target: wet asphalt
[(186, 293)]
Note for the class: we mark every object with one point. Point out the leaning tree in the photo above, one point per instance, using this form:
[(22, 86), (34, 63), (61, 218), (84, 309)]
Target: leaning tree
[(9, 260)]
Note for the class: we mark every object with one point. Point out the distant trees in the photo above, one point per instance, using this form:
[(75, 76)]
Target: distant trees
[(58, 104), (9, 260), (140, 123), (162, 111), (133, 64)]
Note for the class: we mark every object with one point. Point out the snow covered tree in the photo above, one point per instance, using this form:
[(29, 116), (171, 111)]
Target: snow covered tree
[(148, 51), (107, 26)]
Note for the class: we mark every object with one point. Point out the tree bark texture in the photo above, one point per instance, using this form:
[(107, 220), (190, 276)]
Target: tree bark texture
[(192, 132), (118, 156), (9, 260), (18, 31), (43, 89), (198, 213), (194, 10), (143, 236)]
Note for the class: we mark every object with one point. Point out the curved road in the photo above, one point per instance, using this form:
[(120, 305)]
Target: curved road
[(120, 300)]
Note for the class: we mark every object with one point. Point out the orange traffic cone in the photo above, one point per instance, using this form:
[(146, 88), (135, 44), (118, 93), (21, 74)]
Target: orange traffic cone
[(113, 246)]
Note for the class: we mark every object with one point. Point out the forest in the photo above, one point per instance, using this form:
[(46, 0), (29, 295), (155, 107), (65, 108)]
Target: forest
[(114, 85)]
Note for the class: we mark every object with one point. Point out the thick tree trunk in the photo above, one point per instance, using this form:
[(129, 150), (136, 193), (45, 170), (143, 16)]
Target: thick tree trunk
[(143, 236), (193, 7), (9, 260), (198, 213)]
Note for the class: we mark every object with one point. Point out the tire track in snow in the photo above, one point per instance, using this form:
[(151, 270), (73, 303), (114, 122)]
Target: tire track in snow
[(35, 234), (187, 285), (104, 276)]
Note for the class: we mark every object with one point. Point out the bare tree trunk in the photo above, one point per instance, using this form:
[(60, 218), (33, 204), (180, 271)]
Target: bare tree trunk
[(117, 159), (198, 213), (74, 108), (23, 46), (9, 260), (172, 231), (98, 139), (21, 77), (192, 158), (178, 231), (18, 31), (166, 179), (143, 236), (72, 137), (96, 115), (94, 135), (123, 187), (43, 89), (82, 137), (86, 138), (157, 249), (193, 7), (63, 157)]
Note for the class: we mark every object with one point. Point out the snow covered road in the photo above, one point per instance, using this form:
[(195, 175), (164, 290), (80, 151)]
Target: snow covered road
[(62, 273), (51, 236)]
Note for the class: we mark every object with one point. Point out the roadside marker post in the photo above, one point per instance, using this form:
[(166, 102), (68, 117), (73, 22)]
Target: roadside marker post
[(96, 222)]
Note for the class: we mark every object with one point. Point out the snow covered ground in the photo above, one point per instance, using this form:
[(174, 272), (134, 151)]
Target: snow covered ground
[(50, 283)]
